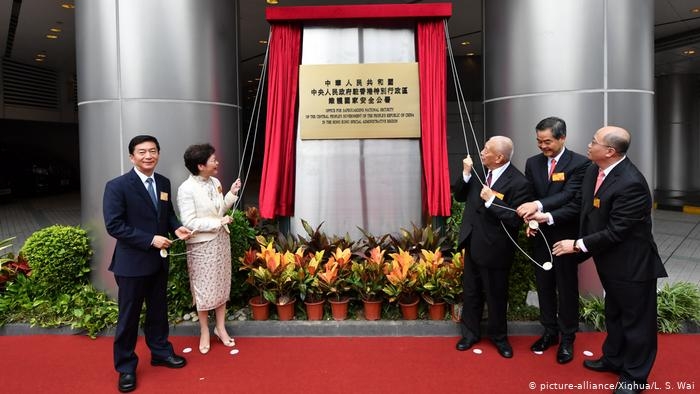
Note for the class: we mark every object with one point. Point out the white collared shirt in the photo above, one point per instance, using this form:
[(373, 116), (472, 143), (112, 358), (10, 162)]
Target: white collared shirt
[(144, 177), (549, 167)]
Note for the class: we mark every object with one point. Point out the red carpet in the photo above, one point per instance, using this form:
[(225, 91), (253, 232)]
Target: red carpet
[(77, 364)]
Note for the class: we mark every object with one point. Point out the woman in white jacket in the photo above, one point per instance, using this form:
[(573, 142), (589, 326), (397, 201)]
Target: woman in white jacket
[(203, 207)]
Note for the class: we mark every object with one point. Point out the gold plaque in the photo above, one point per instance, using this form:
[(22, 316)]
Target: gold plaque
[(349, 101)]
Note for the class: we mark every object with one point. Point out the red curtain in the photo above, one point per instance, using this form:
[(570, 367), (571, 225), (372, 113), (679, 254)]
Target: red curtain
[(277, 183), (433, 104)]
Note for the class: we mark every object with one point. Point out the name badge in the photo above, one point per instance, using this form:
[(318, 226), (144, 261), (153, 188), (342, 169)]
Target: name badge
[(219, 188), (163, 196), (498, 195), (558, 177), (596, 202)]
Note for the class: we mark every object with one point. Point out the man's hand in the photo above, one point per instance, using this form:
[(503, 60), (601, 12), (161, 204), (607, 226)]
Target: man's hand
[(527, 209), (183, 233), (529, 231), (161, 242), (486, 193), (565, 246), (467, 165), (539, 217)]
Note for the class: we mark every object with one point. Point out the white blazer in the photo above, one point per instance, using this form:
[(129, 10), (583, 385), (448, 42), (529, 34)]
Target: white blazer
[(202, 204)]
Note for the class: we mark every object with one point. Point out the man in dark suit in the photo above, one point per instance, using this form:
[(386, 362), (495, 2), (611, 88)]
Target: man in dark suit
[(489, 228), (138, 212), (615, 228), (556, 177)]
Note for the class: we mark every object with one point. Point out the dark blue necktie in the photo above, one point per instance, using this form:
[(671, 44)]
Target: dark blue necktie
[(152, 192)]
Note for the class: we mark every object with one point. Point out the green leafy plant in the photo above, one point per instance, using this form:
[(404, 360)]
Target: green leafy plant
[(334, 276), (402, 277), (58, 256), (179, 294), (309, 285), (437, 277), (273, 273), (367, 277), (68, 299), (592, 311), (677, 304), (242, 238), (454, 223), (417, 239), (11, 267)]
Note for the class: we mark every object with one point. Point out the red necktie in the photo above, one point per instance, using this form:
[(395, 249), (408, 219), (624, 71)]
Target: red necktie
[(551, 169), (488, 179), (599, 180)]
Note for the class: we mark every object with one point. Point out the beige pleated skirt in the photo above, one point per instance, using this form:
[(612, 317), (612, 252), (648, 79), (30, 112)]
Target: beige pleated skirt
[(209, 268)]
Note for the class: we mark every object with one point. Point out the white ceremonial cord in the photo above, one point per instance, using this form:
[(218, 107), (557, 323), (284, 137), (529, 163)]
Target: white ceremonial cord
[(461, 101), (165, 253), (257, 106)]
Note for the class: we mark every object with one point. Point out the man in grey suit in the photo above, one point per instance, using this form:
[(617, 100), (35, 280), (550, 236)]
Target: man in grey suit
[(615, 228), (138, 212)]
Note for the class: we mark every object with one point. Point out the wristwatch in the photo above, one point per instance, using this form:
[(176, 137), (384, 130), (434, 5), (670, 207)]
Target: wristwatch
[(576, 247)]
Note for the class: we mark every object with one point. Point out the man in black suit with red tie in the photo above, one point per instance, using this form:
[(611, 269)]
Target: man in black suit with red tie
[(489, 226), (556, 177), (615, 228), (138, 212)]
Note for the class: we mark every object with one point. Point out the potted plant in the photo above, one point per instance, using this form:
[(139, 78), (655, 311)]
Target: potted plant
[(402, 283), (433, 284), (259, 277), (333, 279), (10, 266), (453, 282), (283, 281), (367, 280), (309, 288)]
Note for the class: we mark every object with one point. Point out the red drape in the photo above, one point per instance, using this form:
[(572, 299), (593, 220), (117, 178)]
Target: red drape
[(433, 105), (277, 183)]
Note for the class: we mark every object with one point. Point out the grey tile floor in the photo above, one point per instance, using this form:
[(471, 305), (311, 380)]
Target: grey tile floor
[(677, 234)]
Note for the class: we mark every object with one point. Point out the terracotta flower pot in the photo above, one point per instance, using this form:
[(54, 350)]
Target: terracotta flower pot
[(409, 308), (339, 308), (286, 311), (259, 307), (372, 309), (314, 309), (436, 311)]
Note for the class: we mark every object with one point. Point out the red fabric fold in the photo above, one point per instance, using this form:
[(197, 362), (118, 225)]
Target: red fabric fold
[(432, 68), (277, 183)]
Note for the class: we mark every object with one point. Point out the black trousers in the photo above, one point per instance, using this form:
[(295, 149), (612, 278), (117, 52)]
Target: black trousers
[(630, 318), (557, 291), (484, 284), (133, 291)]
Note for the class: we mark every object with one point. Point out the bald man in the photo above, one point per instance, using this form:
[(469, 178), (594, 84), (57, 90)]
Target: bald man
[(488, 225), (615, 228)]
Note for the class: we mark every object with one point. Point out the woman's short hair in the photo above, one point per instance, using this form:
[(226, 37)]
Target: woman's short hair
[(196, 155)]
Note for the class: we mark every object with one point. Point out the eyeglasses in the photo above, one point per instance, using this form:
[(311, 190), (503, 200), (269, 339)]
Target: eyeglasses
[(594, 142)]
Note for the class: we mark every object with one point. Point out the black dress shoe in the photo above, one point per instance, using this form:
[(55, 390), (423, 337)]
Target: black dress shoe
[(504, 348), (466, 343), (565, 353), (127, 382), (173, 361), (599, 365), (545, 342)]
